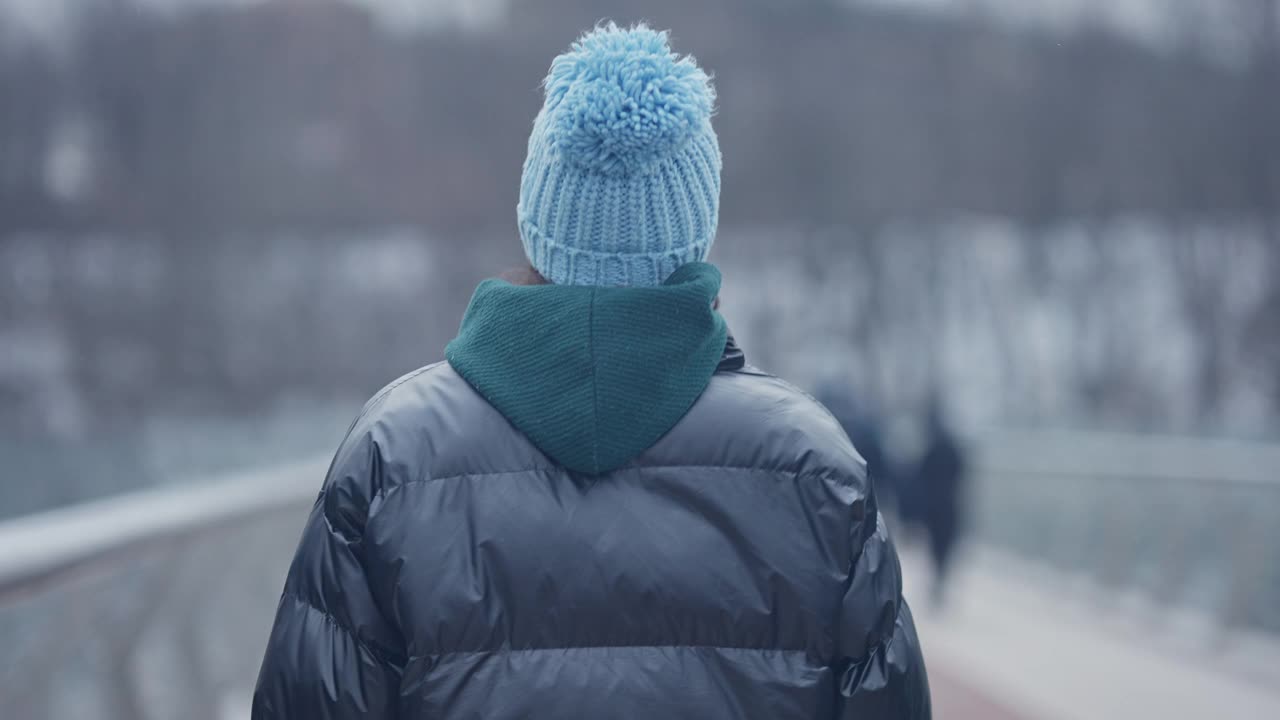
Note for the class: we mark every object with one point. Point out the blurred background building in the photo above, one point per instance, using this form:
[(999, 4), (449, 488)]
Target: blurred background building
[(1059, 220)]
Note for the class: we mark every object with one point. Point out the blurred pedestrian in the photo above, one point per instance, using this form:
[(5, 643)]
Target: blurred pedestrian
[(937, 494), (594, 508)]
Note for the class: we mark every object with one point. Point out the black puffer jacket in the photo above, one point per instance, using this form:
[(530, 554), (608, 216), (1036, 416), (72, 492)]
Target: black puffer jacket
[(738, 568)]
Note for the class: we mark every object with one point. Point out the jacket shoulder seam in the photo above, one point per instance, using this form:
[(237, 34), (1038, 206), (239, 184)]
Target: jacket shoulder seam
[(552, 468), (754, 372), (384, 392), (368, 408), (562, 648), (797, 390)]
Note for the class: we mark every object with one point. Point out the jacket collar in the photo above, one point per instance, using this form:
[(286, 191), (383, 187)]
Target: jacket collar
[(733, 358)]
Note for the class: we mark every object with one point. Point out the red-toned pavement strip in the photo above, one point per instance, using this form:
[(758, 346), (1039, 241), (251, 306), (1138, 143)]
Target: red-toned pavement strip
[(955, 700)]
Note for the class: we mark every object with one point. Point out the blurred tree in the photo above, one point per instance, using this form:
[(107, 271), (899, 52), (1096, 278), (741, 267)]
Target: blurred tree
[(233, 144), (31, 96)]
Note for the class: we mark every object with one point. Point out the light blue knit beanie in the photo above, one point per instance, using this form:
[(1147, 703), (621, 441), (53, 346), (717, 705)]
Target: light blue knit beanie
[(622, 182)]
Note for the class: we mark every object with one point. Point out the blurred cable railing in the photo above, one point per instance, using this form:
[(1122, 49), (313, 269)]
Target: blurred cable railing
[(1188, 523), (152, 605)]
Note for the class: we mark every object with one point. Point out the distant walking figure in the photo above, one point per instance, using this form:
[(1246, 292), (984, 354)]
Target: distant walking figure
[(938, 488), (594, 508)]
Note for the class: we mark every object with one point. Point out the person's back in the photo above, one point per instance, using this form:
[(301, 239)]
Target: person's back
[(595, 508)]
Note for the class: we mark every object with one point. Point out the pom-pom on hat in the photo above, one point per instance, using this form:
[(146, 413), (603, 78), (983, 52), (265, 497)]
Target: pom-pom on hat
[(621, 185)]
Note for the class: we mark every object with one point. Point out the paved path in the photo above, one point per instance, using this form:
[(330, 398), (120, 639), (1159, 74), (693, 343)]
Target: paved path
[(1020, 641), (954, 699)]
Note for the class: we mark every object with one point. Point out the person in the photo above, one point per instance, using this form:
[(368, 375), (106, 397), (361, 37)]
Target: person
[(593, 508), (938, 488)]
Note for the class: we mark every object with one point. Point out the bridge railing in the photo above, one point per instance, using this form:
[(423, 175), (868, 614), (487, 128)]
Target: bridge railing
[(1188, 523), (147, 606)]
